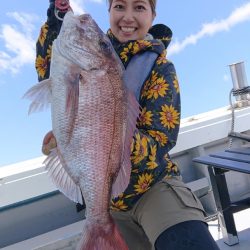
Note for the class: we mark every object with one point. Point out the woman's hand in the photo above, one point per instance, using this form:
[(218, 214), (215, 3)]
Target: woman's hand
[(49, 142)]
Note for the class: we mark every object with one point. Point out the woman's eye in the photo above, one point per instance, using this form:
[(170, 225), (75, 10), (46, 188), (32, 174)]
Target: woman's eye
[(104, 46), (140, 7), (118, 6)]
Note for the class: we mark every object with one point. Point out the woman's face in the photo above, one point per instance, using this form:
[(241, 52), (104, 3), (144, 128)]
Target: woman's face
[(130, 19)]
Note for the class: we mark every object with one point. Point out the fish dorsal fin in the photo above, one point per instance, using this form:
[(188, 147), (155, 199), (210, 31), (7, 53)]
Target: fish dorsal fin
[(60, 177), (40, 96), (134, 77)]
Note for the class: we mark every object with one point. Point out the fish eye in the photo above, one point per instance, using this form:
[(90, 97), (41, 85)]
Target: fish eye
[(104, 46)]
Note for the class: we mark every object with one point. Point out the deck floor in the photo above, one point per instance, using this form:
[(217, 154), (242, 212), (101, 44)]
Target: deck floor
[(66, 238), (242, 221)]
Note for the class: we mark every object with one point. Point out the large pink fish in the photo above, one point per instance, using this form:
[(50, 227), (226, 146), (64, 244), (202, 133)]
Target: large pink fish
[(93, 119)]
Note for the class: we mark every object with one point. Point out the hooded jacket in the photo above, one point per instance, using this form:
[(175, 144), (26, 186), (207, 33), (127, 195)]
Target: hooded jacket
[(159, 121)]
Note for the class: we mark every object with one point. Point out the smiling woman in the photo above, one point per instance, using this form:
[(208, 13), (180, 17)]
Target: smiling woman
[(130, 20), (203, 88)]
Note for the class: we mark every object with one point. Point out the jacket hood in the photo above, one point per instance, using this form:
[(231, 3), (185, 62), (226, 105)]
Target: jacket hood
[(157, 40), (161, 32)]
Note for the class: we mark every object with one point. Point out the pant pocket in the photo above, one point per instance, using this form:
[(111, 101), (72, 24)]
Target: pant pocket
[(184, 194)]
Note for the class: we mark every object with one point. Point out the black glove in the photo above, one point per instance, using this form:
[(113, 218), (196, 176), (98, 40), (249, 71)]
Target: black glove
[(52, 20)]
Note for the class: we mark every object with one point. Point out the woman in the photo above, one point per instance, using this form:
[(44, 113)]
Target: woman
[(156, 210)]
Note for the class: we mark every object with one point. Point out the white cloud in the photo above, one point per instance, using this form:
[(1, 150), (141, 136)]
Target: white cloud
[(18, 43), (239, 15), (25, 20)]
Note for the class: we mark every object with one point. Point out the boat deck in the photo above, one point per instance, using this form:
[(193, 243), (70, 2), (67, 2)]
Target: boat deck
[(29, 212), (242, 221), (67, 237)]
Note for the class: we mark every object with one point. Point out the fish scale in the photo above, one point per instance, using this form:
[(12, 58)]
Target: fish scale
[(98, 148)]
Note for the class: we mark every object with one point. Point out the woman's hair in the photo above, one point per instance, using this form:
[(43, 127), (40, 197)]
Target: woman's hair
[(152, 3)]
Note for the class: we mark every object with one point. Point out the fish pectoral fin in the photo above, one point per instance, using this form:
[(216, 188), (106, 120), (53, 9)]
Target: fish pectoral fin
[(72, 95), (40, 96), (61, 178), (71, 104)]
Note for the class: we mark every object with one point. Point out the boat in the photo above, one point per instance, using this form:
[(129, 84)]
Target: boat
[(35, 215)]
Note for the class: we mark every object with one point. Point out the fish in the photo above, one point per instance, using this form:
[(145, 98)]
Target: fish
[(94, 115)]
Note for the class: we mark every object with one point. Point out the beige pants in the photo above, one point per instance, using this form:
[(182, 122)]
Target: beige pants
[(167, 203)]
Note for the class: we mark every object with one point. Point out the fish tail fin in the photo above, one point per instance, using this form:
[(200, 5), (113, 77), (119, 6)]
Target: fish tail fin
[(40, 96), (98, 236)]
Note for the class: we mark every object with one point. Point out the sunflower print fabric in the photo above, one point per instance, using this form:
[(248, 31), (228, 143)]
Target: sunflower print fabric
[(159, 121), (48, 34)]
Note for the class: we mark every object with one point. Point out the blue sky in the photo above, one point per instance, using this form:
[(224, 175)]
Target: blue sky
[(207, 37)]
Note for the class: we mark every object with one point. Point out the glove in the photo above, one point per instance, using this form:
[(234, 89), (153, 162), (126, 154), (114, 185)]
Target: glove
[(52, 19)]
